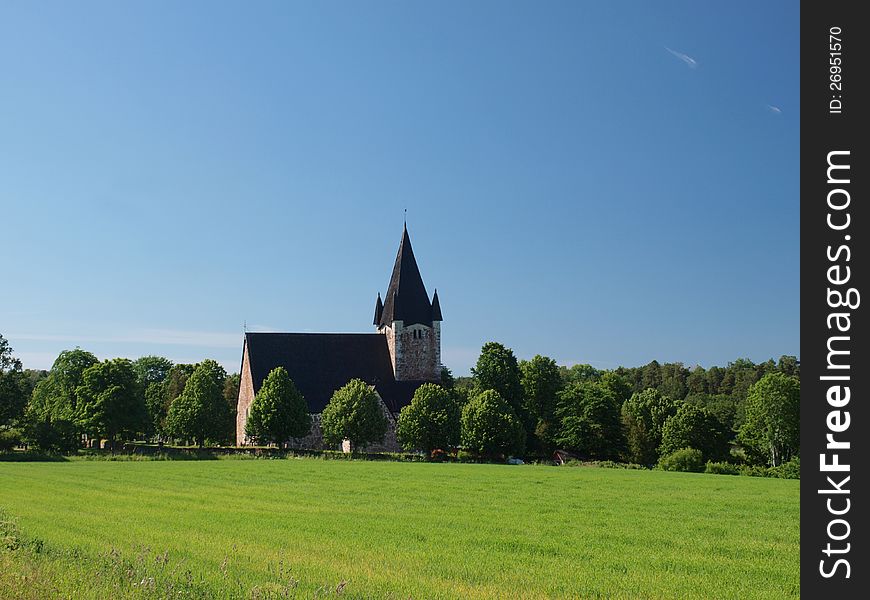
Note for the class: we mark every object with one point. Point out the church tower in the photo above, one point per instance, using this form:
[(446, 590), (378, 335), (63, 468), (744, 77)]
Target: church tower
[(410, 321)]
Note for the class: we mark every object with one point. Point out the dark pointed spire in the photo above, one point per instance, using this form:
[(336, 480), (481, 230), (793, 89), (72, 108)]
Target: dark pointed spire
[(406, 298), (379, 309), (436, 307)]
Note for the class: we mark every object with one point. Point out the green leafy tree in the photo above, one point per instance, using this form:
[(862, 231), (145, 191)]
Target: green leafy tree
[(696, 382), (431, 421), (721, 406), (589, 421), (651, 375), (54, 397), (279, 411), (51, 414), (497, 369), (541, 383), (617, 384), (151, 372), (643, 416), (109, 402), (579, 373), (160, 396), (354, 413), (771, 430), (151, 369), (694, 427), (490, 426), (200, 413), (13, 386), (231, 396), (448, 382), (674, 376), (541, 379), (789, 365)]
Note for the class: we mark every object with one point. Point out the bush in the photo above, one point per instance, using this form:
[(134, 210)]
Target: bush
[(685, 459), (721, 468), (788, 470), (753, 471), (612, 464), (9, 439)]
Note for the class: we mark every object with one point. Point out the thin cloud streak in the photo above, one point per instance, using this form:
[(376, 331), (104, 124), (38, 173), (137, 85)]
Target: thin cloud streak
[(774, 109), (691, 62), (205, 339)]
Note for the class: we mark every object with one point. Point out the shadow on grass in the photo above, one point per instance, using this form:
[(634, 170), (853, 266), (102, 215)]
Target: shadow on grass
[(30, 456)]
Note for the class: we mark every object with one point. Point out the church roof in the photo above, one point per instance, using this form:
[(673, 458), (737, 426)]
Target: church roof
[(406, 298), (436, 308), (379, 310), (320, 363)]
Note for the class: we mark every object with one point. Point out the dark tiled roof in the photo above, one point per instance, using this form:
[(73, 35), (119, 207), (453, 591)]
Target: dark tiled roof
[(379, 309), (406, 298), (436, 308), (320, 363)]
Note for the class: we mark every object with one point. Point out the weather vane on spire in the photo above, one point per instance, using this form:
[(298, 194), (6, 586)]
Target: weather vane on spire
[(405, 218)]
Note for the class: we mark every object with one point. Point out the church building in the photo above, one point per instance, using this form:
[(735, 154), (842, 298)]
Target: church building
[(404, 353)]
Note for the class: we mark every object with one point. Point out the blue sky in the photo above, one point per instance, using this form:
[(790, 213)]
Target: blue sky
[(600, 182)]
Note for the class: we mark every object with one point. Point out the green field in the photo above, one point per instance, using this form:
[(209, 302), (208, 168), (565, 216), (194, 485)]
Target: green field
[(356, 529)]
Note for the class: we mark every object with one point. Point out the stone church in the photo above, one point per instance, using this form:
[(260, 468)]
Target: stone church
[(404, 353)]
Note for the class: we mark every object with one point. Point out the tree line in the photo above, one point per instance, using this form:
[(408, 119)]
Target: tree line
[(82, 399), (744, 412)]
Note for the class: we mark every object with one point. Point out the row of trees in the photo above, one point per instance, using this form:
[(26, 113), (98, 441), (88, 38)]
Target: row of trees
[(433, 420), (84, 398), (744, 411)]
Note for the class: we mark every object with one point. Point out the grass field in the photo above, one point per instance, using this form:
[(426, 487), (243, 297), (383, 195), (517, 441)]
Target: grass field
[(355, 529)]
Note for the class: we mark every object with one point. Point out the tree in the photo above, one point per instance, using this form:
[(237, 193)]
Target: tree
[(109, 401), (721, 406), (151, 372), (696, 382), (200, 412), (541, 379), (772, 425), (644, 415), (589, 421), (279, 411), (694, 427), (541, 382), (151, 369), (54, 398), (579, 373), (674, 376), (354, 413), (13, 386), (448, 382), (231, 396), (431, 421), (160, 396), (652, 375), (617, 384), (497, 369), (490, 426), (789, 365)]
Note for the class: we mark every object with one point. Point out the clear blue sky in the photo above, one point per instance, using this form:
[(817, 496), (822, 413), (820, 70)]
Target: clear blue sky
[(600, 182)]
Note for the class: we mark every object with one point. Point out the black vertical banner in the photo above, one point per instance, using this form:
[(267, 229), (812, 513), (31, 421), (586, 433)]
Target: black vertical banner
[(835, 374)]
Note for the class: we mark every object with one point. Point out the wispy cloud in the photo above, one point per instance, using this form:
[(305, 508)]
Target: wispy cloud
[(204, 339), (691, 62), (774, 109)]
